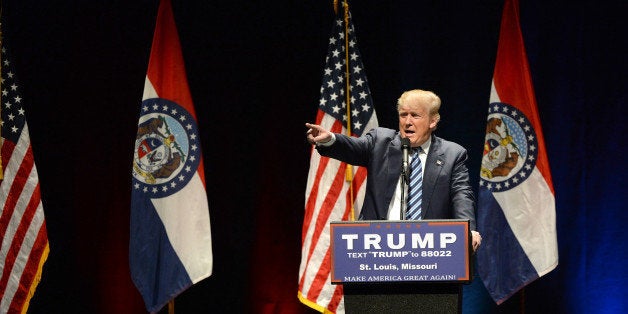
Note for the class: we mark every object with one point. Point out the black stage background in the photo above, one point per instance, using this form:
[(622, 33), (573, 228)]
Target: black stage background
[(254, 69)]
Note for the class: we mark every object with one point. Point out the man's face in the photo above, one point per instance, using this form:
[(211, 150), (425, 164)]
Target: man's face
[(415, 122)]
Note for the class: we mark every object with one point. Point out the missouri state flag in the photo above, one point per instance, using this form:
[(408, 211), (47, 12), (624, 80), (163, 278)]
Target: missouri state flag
[(170, 247), (516, 206)]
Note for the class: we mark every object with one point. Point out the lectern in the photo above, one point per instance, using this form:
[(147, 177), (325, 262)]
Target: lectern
[(401, 266)]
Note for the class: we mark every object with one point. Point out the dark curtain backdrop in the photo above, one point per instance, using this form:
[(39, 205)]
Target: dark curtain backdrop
[(254, 69)]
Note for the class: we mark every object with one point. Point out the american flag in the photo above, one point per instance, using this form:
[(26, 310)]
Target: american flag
[(22, 225), (328, 195)]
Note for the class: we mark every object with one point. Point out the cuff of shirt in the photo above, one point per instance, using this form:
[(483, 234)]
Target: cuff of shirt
[(328, 143)]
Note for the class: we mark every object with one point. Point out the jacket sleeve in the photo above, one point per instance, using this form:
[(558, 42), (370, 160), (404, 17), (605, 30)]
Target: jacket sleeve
[(352, 150), (462, 197)]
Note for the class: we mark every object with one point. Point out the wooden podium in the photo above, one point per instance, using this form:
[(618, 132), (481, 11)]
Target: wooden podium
[(401, 266)]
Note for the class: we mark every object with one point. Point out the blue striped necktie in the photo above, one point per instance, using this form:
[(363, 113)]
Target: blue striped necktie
[(415, 188)]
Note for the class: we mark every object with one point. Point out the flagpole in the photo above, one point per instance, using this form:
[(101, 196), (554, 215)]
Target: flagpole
[(349, 172), (1, 39), (171, 306)]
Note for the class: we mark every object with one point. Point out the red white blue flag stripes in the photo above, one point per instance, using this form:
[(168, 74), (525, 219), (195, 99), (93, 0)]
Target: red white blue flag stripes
[(516, 205), (23, 234), (170, 246), (328, 194)]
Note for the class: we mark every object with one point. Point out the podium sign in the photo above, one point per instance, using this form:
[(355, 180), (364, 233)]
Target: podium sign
[(400, 251)]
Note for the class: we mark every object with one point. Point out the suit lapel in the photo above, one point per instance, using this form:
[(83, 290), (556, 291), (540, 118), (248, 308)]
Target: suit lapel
[(394, 168), (433, 166)]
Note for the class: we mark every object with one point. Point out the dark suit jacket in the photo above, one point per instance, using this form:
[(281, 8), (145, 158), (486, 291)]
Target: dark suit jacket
[(447, 193)]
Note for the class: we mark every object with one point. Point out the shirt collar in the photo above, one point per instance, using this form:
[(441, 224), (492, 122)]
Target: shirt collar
[(426, 146)]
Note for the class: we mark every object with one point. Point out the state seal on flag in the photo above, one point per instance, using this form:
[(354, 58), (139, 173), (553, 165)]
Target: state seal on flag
[(510, 148), (167, 153)]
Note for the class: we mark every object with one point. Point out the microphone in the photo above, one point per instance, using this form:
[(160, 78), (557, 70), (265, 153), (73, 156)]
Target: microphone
[(405, 147)]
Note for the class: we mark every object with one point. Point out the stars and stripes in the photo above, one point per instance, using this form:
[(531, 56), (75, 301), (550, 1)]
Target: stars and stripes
[(333, 100), (24, 246), (328, 194)]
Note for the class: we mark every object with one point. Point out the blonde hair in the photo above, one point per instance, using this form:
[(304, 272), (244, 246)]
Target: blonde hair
[(428, 97)]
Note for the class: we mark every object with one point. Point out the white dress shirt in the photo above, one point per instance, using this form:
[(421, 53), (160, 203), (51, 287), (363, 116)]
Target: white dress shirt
[(394, 210)]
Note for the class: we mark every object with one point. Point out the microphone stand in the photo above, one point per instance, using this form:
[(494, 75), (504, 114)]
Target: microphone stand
[(405, 176), (404, 201)]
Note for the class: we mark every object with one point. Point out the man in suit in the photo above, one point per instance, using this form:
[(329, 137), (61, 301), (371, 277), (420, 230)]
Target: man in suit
[(446, 192)]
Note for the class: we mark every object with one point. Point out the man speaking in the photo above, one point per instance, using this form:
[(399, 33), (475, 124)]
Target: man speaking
[(433, 182)]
